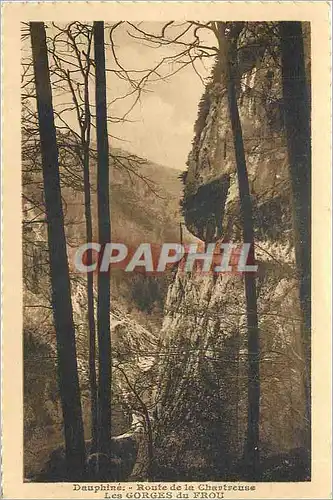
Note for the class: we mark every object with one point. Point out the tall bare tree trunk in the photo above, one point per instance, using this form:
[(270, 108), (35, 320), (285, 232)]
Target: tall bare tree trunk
[(61, 294), (90, 301), (85, 140), (298, 131), (84, 122), (104, 228), (252, 445)]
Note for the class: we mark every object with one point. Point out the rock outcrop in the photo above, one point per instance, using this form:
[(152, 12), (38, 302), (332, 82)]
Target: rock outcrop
[(202, 404)]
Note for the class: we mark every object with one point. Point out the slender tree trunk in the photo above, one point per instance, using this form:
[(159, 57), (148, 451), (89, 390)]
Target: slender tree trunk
[(181, 232), (298, 131), (84, 122), (85, 141), (252, 444), (61, 294), (104, 228), (90, 300)]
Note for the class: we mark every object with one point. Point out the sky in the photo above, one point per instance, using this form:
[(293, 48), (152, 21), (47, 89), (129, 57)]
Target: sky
[(160, 127), (163, 120)]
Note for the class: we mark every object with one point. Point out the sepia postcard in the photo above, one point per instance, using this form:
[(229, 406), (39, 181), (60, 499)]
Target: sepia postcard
[(166, 250)]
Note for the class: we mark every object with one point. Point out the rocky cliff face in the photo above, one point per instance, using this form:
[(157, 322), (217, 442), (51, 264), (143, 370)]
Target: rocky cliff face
[(211, 173), (202, 407)]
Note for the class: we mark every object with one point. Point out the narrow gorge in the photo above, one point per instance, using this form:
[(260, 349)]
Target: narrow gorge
[(180, 380)]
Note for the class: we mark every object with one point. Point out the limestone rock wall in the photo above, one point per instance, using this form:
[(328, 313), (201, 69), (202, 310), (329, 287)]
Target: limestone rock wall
[(202, 404)]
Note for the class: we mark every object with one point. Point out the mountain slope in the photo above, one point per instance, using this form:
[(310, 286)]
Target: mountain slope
[(144, 208)]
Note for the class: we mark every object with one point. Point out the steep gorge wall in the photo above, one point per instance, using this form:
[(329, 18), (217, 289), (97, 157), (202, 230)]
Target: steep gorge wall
[(202, 404)]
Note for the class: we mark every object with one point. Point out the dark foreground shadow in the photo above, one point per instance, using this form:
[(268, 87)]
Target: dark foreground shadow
[(100, 467)]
